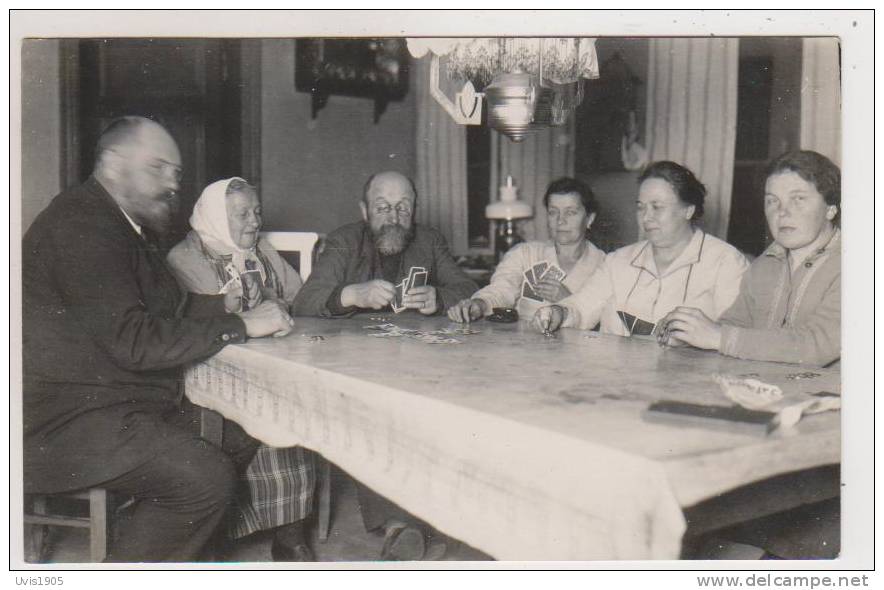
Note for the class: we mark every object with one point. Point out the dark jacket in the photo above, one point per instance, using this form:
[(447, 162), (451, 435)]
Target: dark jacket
[(350, 257), (106, 333)]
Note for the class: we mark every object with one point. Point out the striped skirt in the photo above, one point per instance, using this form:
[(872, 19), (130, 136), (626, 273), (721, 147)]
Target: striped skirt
[(279, 490)]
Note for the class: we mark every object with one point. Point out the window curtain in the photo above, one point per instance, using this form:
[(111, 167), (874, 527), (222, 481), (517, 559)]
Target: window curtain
[(692, 115), (539, 159), (821, 97), (441, 177)]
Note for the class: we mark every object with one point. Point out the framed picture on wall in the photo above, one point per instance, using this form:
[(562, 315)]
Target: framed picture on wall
[(366, 68)]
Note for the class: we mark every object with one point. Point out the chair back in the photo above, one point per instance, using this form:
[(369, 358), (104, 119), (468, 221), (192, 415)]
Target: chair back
[(295, 241)]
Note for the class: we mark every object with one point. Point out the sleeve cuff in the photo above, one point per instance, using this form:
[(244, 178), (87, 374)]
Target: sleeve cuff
[(333, 304), (729, 339), (233, 330), (572, 317)]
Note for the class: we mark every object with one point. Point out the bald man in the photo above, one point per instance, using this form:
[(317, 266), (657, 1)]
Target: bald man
[(357, 272), (362, 262), (106, 333)]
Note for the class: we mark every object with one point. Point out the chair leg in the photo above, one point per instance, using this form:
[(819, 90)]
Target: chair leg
[(98, 524), (325, 501), (35, 535)]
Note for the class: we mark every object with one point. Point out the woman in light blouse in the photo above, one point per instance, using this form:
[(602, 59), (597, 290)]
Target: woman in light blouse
[(677, 264), (571, 209)]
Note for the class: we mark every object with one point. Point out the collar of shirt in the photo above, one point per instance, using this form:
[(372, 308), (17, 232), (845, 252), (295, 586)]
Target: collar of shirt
[(799, 255), (777, 251), (135, 226), (690, 255)]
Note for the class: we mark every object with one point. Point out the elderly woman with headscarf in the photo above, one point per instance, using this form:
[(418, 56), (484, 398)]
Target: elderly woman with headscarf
[(224, 253), (678, 264)]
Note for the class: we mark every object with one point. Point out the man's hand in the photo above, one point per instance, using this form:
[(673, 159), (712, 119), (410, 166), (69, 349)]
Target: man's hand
[(552, 290), (374, 294), (422, 299), (269, 317), (233, 298), (691, 326), (549, 319), (467, 310)]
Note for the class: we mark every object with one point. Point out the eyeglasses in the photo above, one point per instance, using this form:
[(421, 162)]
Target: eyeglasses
[(401, 210)]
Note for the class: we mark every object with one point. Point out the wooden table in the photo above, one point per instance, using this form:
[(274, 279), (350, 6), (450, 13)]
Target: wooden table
[(524, 446)]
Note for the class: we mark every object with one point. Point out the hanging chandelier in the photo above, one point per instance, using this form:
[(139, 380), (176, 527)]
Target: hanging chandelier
[(528, 83)]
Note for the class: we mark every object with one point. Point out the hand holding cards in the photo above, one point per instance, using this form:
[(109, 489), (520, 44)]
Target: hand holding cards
[(374, 294), (414, 292), (543, 282)]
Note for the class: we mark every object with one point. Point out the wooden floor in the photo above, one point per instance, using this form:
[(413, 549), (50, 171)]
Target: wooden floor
[(348, 540)]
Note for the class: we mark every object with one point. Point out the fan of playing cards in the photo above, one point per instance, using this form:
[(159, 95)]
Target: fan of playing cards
[(417, 277), (537, 273)]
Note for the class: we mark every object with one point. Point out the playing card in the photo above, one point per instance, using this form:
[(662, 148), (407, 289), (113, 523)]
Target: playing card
[(409, 278), (628, 320), (529, 292), (636, 326), (419, 279), (411, 273), (399, 296), (555, 273), (643, 328), (538, 270), (434, 339), (529, 276)]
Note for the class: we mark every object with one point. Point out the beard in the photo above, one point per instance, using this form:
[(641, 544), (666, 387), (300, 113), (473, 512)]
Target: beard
[(392, 238), (159, 213)]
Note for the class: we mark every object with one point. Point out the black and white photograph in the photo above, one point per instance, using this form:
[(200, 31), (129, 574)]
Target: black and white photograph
[(440, 289)]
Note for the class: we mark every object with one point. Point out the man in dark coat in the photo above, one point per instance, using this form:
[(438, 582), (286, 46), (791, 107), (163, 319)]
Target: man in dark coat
[(106, 333), (357, 271), (361, 262)]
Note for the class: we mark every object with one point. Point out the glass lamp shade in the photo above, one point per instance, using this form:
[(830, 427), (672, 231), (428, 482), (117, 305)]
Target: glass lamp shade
[(511, 100), (509, 210)]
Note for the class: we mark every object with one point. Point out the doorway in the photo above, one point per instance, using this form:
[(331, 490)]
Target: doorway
[(194, 87)]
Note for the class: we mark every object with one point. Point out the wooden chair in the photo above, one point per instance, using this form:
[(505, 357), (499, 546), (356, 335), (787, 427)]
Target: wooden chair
[(38, 516), (211, 423), (295, 241)]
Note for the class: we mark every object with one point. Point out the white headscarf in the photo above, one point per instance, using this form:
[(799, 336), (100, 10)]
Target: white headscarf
[(209, 220)]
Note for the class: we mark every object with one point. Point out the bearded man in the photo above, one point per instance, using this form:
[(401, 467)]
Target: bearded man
[(356, 272), (106, 334), (363, 261)]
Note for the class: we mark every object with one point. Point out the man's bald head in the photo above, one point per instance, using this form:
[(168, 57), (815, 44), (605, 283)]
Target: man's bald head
[(127, 133), (389, 179), (139, 164)]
